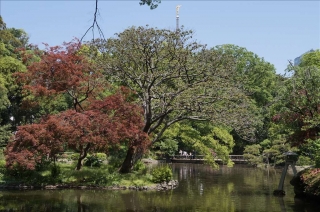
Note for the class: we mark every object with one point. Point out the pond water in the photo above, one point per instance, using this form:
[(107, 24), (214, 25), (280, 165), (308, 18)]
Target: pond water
[(237, 189)]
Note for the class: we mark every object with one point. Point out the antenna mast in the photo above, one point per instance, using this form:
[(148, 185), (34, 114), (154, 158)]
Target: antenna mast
[(177, 17)]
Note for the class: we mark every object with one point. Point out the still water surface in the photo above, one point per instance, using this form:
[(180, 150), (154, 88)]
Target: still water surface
[(237, 189)]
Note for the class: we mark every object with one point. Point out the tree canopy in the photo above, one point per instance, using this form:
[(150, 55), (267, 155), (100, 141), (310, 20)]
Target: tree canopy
[(177, 79)]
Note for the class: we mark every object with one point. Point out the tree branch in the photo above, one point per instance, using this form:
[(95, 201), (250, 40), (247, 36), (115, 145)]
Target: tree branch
[(95, 23)]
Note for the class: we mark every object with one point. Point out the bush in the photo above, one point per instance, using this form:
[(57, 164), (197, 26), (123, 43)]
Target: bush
[(101, 156), (161, 174), (305, 161), (140, 167), (93, 161)]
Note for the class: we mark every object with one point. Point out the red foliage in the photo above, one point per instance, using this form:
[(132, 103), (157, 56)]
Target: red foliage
[(106, 123), (297, 122), (34, 143), (126, 117), (62, 69)]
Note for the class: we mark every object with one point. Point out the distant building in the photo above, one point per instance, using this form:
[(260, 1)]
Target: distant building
[(297, 60)]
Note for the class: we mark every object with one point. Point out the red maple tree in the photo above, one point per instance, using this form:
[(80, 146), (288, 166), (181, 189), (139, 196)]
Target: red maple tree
[(92, 124), (106, 123)]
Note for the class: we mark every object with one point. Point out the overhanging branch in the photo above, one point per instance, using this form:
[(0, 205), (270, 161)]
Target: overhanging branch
[(94, 24)]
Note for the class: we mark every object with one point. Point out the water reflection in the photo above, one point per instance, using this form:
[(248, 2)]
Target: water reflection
[(238, 189)]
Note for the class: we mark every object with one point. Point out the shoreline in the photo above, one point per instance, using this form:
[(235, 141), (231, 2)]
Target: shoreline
[(157, 187)]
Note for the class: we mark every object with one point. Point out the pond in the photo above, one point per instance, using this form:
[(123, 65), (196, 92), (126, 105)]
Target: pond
[(237, 189)]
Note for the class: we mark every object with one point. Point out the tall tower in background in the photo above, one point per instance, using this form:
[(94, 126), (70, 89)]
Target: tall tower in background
[(177, 17)]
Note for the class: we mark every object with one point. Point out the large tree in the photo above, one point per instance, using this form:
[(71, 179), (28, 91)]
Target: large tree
[(176, 79), (63, 71), (260, 82), (94, 121)]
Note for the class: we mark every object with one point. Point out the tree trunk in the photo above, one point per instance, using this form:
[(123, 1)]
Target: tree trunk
[(83, 155), (128, 162)]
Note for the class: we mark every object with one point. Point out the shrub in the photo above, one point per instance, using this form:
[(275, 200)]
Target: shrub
[(305, 161), (161, 174), (101, 156), (93, 161), (140, 167)]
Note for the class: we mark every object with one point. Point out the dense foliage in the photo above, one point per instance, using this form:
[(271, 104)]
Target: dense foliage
[(297, 113), (176, 79), (10, 92)]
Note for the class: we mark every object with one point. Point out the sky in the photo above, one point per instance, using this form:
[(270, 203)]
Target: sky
[(277, 31)]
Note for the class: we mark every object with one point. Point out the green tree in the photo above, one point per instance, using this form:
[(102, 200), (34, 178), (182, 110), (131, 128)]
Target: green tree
[(311, 59), (12, 38), (177, 79), (259, 81), (10, 91), (202, 137), (253, 154), (258, 76), (300, 103)]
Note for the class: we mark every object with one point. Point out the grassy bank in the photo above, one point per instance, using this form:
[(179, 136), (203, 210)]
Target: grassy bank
[(64, 173)]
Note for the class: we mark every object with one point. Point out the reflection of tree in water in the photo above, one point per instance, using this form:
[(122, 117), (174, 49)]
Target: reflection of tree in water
[(58, 200), (81, 206), (31, 201), (200, 189), (227, 189)]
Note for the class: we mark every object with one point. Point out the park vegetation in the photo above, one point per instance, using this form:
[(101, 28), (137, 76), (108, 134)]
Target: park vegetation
[(147, 92)]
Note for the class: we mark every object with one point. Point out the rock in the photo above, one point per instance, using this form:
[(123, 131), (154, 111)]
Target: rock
[(50, 187), (160, 187), (167, 185), (149, 161)]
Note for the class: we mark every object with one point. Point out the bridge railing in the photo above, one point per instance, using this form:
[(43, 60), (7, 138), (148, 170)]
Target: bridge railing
[(237, 158), (188, 157), (232, 157)]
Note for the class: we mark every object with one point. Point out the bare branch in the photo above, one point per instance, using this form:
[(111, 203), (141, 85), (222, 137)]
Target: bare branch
[(95, 23)]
